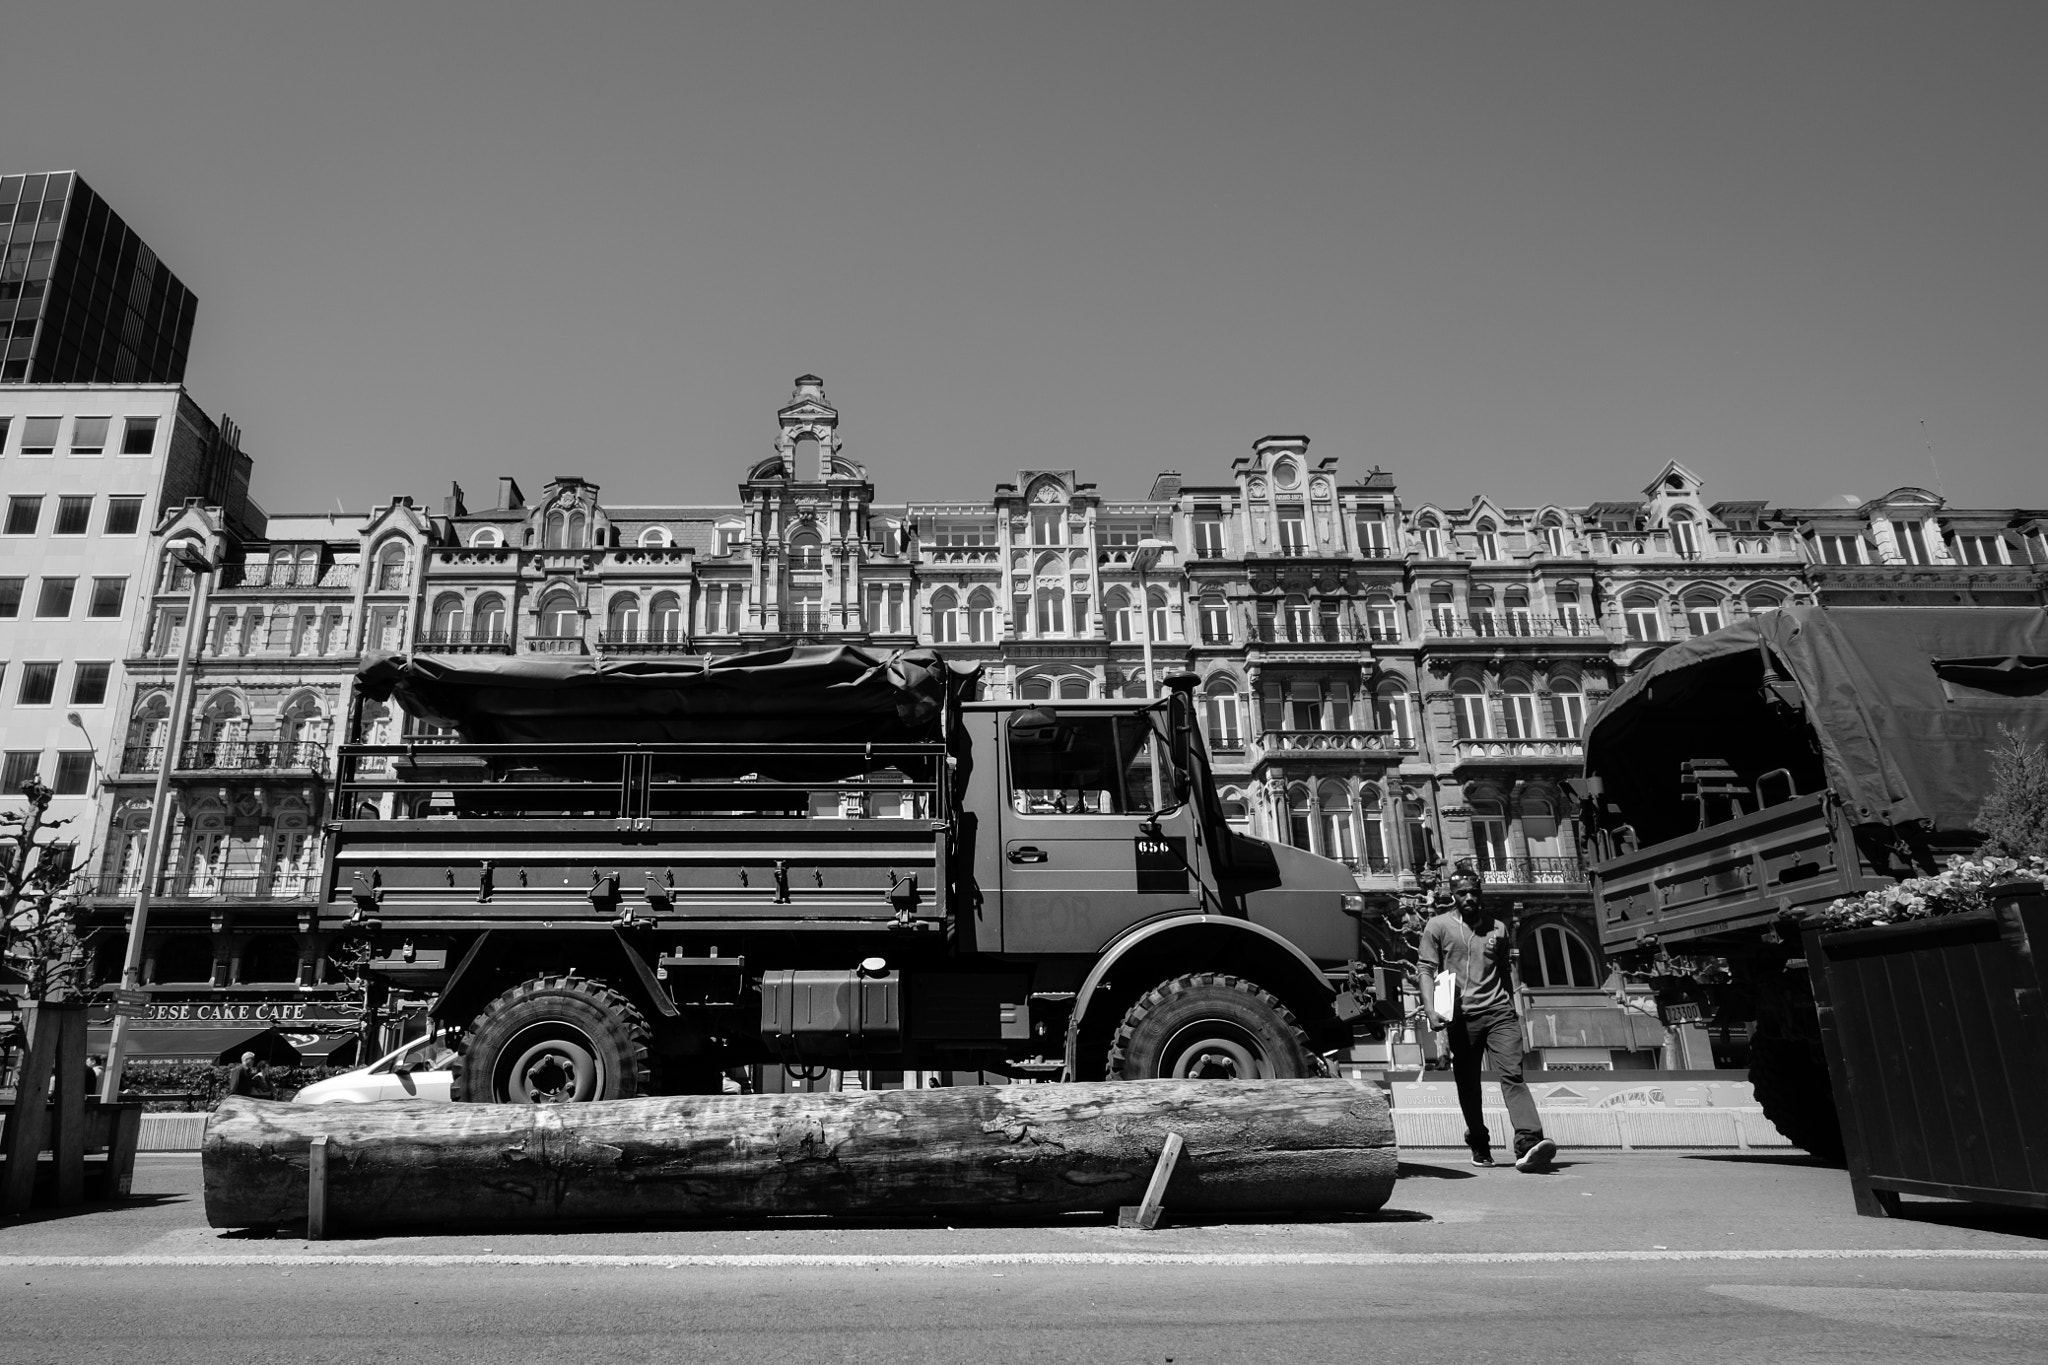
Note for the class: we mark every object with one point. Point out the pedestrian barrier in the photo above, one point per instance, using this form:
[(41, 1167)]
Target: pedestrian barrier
[(172, 1132), (1595, 1129)]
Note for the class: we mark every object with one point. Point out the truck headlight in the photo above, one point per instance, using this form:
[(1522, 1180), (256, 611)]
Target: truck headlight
[(1353, 904)]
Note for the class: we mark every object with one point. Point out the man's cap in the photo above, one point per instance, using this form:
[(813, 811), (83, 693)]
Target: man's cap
[(1464, 879)]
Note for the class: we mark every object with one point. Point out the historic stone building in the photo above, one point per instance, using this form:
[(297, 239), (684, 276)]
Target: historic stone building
[(1396, 686)]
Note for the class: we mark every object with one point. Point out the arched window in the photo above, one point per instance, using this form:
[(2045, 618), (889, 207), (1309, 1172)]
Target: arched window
[(1762, 600), (270, 958), (1074, 688), (1490, 838), (1158, 619), (945, 616), (1567, 708), (805, 551), (665, 619), (1049, 609), (1443, 609), (1382, 619), (1037, 687), (1684, 535), (1570, 618), (1488, 540), (1518, 709), (488, 624), (486, 537), (1544, 835), (447, 621), (1556, 539), (622, 618), (148, 733), (559, 618), (1234, 809), (1371, 821), (656, 537), (1215, 613), (1644, 616), (391, 566), (1557, 955), (1703, 613), (578, 533), (1432, 538), (1415, 833), (803, 456), (1391, 716), (1340, 838), (204, 866), (1223, 712), (1298, 817), (981, 616), (1116, 614), (1470, 703), (223, 731), (302, 730)]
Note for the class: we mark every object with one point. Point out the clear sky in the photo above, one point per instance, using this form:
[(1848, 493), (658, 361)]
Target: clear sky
[(1531, 250)]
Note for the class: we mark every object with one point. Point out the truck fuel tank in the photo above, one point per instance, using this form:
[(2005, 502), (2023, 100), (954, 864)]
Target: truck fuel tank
[(807, 1015)]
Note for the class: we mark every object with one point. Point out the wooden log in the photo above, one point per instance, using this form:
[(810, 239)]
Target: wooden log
[(1005, 1151)]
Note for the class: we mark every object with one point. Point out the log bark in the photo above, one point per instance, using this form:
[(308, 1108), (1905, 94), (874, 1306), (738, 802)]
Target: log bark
[(1002, 1151)]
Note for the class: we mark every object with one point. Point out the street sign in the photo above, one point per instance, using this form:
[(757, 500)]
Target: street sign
[(127, 997), (128, 1011)]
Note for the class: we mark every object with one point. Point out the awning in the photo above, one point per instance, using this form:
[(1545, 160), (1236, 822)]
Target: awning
[(186, 1043)]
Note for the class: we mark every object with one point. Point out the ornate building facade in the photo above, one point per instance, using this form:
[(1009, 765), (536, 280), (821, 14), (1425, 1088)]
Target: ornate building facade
[(1387, 684)]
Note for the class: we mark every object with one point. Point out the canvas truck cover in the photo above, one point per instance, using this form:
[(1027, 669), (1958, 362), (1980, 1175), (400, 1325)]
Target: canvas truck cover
[(1896, 709), (809, 694)]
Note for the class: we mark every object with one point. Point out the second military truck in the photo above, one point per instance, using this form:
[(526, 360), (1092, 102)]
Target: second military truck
[(626, 877)]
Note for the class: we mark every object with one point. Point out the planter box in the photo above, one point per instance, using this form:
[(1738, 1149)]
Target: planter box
[(1936, 1035)]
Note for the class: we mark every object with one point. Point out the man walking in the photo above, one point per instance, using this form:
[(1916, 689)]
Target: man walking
[(1476, 948)]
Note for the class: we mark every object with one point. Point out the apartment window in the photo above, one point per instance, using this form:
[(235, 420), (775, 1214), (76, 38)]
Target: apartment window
[(1684, 539), (19, 768), (1702, 615), (1372, 535), (1215, 615), (1912, 541), (1470, 703), (1051, 611), (1293, 532), (74, 513), (10, 597), (24, 511), (722, 603), (74, 772), (138, 436), (1561, 958), (1490, 836), (392, 565), (886, 602), (1048, 526), (1518, 710), (1554, 541), (726, 540), (1220, 708), (1432, 541), (1981, 550), (1208, 536), (124, 515), (89, 435), (54, 601), (1644, 617), (1839, 549), (4, 423), (981, 616), (806, 609), (1567, 709), (39, 435), (1383, 621), (1489, 542), (38, 685), (1390, 714)]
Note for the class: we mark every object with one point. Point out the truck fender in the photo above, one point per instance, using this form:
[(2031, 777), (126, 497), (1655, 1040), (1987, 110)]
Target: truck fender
[(473, 984), (1118, 949)]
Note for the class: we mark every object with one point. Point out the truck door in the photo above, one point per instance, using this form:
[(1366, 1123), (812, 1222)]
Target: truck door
[(1076, 867)]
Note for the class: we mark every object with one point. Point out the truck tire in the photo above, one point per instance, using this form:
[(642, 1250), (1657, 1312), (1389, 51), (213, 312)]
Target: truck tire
[(1210, 1027), (555, 1040), (1790, 1079)]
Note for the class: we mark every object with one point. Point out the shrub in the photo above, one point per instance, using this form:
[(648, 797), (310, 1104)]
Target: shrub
[(1955, 889), (2014, 821)]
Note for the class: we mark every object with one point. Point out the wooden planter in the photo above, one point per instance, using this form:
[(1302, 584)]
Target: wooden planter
[(1936, 1034)]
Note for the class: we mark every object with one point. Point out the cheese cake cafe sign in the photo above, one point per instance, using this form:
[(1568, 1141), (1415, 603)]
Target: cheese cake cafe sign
[(260, 1012)]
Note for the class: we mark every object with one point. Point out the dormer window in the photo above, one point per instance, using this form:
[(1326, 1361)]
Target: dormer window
[(1911, 537), (1838, 549), (726, 539), (1981, 549), (1488, 540), (1684, 537), (1432, 540)]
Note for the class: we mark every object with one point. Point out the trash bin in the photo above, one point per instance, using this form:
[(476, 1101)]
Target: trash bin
[(1936, 1033)]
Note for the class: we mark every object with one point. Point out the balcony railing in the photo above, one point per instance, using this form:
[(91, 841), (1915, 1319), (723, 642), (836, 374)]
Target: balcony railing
[(643, 642), (1532, 872), (479, 641), (267, 575), (1333, 741), (1323, 631), (959, 554), (1510, 749), (238, 878), (239, 755), (1510, 625)]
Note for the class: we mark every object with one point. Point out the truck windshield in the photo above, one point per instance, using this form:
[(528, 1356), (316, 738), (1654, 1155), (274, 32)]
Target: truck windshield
[(1093, 765)]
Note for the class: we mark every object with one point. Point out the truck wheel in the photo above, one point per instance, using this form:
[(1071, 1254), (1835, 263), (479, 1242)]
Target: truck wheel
[(555, 1040), (1790, 1079), (1209, 1027)]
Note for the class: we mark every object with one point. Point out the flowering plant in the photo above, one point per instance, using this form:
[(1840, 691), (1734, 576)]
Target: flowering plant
[(1957, 888)]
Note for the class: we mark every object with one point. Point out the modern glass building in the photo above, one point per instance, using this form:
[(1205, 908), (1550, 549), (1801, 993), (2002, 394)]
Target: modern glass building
[(83, 300)]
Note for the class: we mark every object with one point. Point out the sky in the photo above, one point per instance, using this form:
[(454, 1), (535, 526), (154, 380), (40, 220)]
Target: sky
[(1528, 250)]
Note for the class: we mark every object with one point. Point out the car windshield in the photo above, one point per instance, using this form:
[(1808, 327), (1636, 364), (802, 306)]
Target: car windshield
[(422, 1054)]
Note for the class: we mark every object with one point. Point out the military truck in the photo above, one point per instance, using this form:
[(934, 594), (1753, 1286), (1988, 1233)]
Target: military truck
[(1743, 780), (621, 877)]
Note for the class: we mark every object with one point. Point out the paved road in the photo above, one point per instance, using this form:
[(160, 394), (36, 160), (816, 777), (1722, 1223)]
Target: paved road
[(1633, 1257)]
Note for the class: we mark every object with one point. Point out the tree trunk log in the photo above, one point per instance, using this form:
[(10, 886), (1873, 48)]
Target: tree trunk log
[(1015, 1150)]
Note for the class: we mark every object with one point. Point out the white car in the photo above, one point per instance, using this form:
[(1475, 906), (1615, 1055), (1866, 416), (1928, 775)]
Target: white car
[(421, 1070)]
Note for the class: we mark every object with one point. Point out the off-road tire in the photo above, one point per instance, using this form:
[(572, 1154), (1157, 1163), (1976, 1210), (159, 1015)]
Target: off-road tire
[(1208, 1026), (555, 1040), (1790, 1079)]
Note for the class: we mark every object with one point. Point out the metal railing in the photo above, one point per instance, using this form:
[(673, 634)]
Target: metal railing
[(1333, 741), (1532, 872), (1512, 625), (232, 878), (236, 755), (1495, 747), (959, 554), (643, 642), (478, 641)]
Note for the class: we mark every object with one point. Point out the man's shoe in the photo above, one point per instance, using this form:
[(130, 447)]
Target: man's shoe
[(1482, 1156), (1537, 1158)]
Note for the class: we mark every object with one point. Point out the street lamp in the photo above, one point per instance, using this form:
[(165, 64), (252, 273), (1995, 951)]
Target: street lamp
[(191, 555), (92, 752), (1147, 555)]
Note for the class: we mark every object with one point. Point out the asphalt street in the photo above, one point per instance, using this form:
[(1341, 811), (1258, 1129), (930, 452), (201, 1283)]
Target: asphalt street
[(1614, 1256)]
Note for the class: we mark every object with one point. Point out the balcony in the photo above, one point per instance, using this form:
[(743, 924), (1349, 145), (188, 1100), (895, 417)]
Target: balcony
[(1528, 752), (249, 877), (232, 755), (266, 575), (1322, 631), (1532, 872), (1512, 625), (554, 644), (959, 554), (1333, 742), (464, 642), (642, 642)]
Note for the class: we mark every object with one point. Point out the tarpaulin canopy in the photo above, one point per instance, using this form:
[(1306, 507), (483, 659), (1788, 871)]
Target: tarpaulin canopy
[(1896, 709), (806, 694), (149, 1041)]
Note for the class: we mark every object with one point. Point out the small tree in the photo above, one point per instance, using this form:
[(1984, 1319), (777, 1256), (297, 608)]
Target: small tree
[(2014, 821), (38, 925)]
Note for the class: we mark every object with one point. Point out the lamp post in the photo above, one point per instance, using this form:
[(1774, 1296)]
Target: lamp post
[(1147, 555), (188, 554)]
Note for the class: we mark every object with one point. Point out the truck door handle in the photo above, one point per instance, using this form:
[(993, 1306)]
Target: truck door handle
[(1027, 854)]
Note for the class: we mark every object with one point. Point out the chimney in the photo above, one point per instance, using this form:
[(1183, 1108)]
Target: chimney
[(1166, 488), (510, 499), (452, 505)]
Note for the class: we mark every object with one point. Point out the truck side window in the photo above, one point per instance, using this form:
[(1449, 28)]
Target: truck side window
[(1086, 765)]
